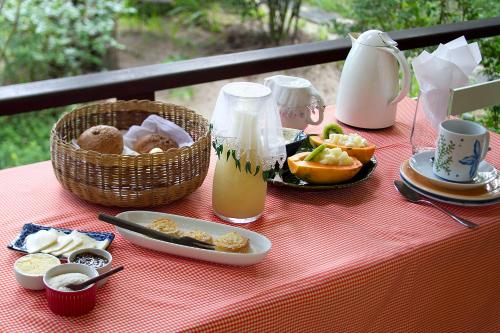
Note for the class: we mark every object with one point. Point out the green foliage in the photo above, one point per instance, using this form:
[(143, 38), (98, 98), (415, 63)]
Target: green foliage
[(489, 118), (341, 7), (247, 9), (43, 39), (490, 49), (186, 12), (403, 14), (281, 16), (492, 119), (323, 33), (24, 138), (153, 23)]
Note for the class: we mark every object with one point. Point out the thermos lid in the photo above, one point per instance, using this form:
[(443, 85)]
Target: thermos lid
[(376, 38)]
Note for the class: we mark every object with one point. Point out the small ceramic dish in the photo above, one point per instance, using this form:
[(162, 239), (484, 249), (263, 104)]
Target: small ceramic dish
[(19, 243), (102, 253), (27, 269), (70, 303)]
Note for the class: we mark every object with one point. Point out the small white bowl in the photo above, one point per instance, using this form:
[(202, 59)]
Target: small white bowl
[(99, 252), (33, 281)]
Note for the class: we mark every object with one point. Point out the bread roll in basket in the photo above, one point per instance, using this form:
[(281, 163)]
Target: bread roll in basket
[(124, 180)]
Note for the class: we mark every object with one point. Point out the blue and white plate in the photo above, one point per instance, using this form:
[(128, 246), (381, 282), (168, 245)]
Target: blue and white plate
[(422, 164), (18, 244)]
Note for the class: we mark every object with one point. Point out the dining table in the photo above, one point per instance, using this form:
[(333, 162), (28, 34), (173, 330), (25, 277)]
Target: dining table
[(354, 259)]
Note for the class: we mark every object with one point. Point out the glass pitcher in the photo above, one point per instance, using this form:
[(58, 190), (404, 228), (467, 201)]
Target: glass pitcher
[(248, 141)]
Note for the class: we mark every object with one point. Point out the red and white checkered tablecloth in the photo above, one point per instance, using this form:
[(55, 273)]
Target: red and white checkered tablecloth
[(360, 259)]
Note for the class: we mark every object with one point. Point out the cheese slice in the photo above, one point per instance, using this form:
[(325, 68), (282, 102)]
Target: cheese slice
[(75, 242), (88, 243), (102, 244), (61, 242), (41, 240)]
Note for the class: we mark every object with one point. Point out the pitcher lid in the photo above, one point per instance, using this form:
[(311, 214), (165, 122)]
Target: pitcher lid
[(246, 122), (246, 90), (376, 38)]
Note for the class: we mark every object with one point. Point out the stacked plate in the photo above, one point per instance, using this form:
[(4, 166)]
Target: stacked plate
[(484, 189)]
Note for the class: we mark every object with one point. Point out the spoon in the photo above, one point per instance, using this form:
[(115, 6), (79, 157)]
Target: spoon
[(413, 196), (80, 286)]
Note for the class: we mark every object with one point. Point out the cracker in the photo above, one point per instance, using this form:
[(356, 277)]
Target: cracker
[(199, 235), (166, 226), (232, 242)]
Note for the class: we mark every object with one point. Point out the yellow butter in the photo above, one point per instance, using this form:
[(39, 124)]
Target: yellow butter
[(36, 264)]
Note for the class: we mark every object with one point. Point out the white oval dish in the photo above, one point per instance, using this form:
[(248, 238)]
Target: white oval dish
[(259, 244)]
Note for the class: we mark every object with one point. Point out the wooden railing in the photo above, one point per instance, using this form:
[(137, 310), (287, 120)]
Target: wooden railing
[(142, 82)]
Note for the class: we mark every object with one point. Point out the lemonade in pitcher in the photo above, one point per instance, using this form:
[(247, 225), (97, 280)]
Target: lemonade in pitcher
[(238, 194), (245, 135)]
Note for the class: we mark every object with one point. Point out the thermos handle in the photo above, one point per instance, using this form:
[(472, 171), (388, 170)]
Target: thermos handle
[(405, 88), (321, 107)]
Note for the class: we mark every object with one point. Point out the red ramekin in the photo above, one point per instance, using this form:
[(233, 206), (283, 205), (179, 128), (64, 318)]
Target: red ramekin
[(71, 303)]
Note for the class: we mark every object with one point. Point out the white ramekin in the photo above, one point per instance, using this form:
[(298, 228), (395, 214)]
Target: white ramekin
[(30, 281)]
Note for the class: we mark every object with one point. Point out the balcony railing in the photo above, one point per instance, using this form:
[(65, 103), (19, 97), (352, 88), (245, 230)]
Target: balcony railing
[(142, 82)]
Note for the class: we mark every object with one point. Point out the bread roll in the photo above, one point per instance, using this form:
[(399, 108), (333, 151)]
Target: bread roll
[(148, 142), (102, 139)]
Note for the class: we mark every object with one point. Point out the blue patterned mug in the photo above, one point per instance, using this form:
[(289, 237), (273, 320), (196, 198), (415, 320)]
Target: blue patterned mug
[(461, 145)]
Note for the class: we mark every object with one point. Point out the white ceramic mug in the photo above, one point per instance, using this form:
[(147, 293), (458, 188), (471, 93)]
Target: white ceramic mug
[(296, 100), (460, 147)]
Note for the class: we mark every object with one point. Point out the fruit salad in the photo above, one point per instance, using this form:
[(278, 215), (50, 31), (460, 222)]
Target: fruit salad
[(347, 140), (330, 156)]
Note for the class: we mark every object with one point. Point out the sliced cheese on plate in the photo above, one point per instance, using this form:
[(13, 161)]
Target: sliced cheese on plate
[(76, 241), (61, 242), (41, 240), (87, 242)]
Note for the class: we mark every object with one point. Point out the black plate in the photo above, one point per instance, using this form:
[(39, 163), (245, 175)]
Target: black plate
[(285, 178)]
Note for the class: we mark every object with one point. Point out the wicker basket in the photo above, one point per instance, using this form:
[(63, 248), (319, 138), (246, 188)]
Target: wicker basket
[(130, 181)]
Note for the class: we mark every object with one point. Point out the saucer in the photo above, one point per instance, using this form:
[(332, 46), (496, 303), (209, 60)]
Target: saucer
[(422, 164), (487, 194)]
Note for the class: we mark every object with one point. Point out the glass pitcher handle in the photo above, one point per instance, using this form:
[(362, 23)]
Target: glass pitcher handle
[(321, 108)]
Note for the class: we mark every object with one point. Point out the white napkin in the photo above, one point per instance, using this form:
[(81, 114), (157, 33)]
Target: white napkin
[(156, 124), (448, 67)]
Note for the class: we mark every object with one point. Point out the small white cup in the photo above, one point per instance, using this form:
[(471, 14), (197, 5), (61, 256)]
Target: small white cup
[(296, 100), (99, 252), (461, 146), (32, 281)]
